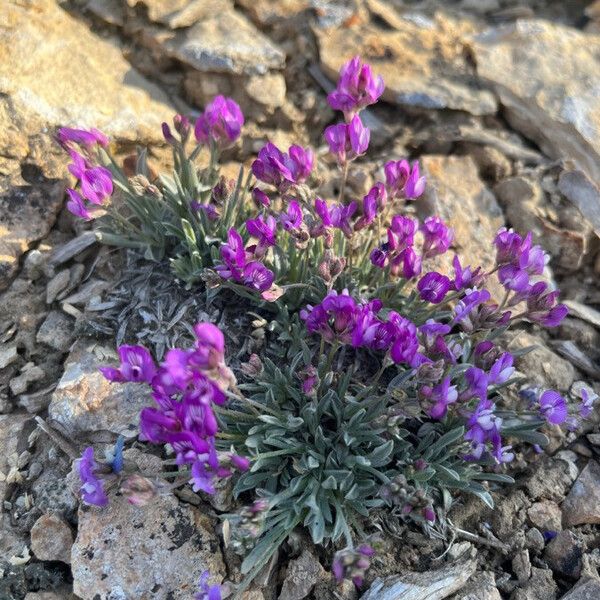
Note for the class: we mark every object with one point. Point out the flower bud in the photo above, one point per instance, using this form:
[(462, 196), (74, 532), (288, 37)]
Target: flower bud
[(253, 367), (222, 190), (138, 490)]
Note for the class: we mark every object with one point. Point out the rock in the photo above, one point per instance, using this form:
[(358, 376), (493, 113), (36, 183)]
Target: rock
[(181, 13), (550, 480), (226, 42), (72, 248), (535, 540), (582, 333), (268, 90), (64, 594), (423, 62), (541, 586), (564, 553), (54, 493), (8, 355), (521, 566), (266, 13), (29, 374), (578, 357), (56, 285), (545, 515), (584, 194), (27, 212), (302, 575), (492, 164), (155, 552), (543, 367), (587, 313), (110, 11), (482, 586), (85, 401), (520, 198), (12, 443), (581, 505), (47, 46), (456, 193), (51, 539), (56, 331), (545, 75), (586, 589), (430, 585)]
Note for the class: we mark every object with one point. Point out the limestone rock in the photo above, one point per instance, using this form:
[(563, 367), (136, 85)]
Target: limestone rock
[(430, 585), (546, 76), (586, 589), (302, 575), (550, 480), (457, 194), (577, 187), (85, 401), (545, 515), (482, 586), (56, 331), (541, 586), (51, 539), (153, 552), (226, 42), (180, 13), (56, 72), (27, 212), (11, 440), (423, 62), (543, 367), (581, 505), (564, 554)]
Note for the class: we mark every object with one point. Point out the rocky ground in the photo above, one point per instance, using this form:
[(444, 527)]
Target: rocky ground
[(499, 99)]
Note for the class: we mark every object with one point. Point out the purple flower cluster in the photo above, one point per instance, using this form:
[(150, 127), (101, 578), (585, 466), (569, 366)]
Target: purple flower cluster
[(185, 388), (221, 123), (241, 264), (352, 563), (282, 169), (356, 88), (399, 254), (339, 318), (95, 181), (519, 263), (206, 591)]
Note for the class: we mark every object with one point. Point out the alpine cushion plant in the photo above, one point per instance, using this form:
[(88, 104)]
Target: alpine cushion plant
[(384, 387)]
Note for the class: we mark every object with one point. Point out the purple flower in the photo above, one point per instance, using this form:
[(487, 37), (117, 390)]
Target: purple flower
[(260, 198), (411, 263), (169, 137), (92, 491), (370, 331), (137, 365), (553, 407), (484, 427), (264, 229), (467, 305), (433, 287), (282, 169), (401, 233), (465, 277), (336, 215), (348, 142), (542, 307), (209, 347), (291, 219), (374, 199), (221, 122), (588, 397), (513, 278), (477, 384), (352, 563), (442, 395), (257, 276), (207, 592), (96, 182), (437, 237), (396, 176), (406, 345), (356, 88), (378, 257), (502, 369), (82, 137), (334, 318), (533, 259), (508, 246), (233, 254), (415, 184), (76, 205)]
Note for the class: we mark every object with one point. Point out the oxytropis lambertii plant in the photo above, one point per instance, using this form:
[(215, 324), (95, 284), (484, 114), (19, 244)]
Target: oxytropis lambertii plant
[(385, 388)]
